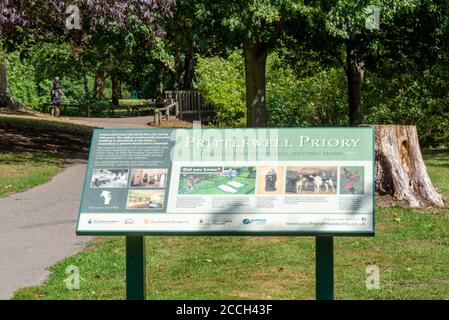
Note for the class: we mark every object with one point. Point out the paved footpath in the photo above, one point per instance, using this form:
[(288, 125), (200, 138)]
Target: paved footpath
[(37, 229)]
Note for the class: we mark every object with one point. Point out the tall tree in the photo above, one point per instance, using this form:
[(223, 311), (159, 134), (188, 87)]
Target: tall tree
[(362, 34), (11, 15), (256, 27), (97, 16)]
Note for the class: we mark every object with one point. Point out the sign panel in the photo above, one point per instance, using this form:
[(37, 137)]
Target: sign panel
[(301, 181)]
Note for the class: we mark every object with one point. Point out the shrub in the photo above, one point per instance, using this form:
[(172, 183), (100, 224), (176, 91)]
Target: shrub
[(222, 81)]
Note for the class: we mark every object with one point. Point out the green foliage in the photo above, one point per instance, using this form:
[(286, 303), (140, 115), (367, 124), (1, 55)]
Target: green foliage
[(419, 99), (29, 77), (51, 60), (21, 81), (317, 100), (222, 81)]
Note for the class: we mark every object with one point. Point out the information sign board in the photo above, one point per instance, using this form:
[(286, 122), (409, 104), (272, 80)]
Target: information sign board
[(292, 181)]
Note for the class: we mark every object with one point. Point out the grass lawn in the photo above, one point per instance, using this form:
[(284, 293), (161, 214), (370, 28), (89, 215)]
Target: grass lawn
[(34, 149), (410, 249), (22, 133), (23, 170)]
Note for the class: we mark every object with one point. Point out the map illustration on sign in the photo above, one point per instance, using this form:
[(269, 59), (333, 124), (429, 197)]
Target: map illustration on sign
[(238, 180), (301, 181)]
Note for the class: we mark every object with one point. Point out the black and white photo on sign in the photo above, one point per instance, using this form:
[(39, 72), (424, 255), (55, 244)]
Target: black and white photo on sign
[(109, 178)]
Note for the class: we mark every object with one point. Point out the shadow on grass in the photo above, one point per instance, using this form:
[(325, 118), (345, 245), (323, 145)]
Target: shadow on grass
[(25, 134)]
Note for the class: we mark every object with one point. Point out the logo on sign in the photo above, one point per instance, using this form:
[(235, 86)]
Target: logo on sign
[(254, 221)]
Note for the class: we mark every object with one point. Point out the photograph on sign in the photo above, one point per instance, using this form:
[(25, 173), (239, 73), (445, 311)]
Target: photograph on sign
[(230, 181)]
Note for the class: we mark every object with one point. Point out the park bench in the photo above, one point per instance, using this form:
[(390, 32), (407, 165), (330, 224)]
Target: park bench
[(192, 105), (166, 110)]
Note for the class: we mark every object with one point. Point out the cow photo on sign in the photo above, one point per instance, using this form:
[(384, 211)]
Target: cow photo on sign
[(312, 180)]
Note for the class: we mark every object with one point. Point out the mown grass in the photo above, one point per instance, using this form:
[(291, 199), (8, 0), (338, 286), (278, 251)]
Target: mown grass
[(22, 133), (20, 171), (410, 249), (34, 149), (438, 167)]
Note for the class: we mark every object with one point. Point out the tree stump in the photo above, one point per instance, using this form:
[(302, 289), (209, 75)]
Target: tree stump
[(400, 169)]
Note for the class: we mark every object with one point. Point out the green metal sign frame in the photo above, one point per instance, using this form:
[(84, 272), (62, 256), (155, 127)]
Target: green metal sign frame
[(135, 268), (136, 275)]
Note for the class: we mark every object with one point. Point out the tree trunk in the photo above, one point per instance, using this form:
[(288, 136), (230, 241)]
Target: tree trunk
[(189, 71), (354, 75), (255, 63), (160, 87), (86, 85), (5, 98), (400, 169), (100, 80), (178, 69), (115, 90)]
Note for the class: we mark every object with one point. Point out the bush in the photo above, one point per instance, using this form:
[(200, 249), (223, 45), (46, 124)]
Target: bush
[(413, 99), (22, 87), (319, 100), (222, 81)]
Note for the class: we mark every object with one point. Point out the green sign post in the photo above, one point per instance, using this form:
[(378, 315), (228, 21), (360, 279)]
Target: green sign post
[(135, 268), (324, 268), (296, 181)]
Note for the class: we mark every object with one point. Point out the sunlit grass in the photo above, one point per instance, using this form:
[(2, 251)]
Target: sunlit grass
[(23, 170), (410, 249)]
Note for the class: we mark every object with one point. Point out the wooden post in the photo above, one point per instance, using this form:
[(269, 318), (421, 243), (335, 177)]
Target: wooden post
[(200, 105)]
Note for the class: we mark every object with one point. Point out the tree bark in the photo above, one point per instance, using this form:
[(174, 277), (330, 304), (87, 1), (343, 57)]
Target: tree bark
[(86, 85), (189, 71), (400, 169), (100, 80), (5, 98), (354, 75), (255, 65), (116, 90), (160, 87)]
